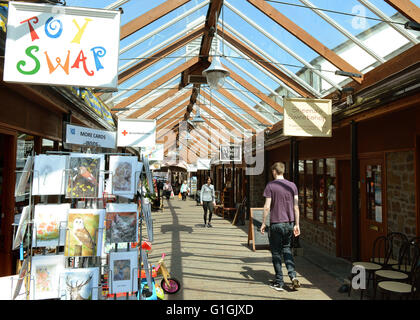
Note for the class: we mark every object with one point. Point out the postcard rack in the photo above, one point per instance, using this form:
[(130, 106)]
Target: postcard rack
[(29, 247)]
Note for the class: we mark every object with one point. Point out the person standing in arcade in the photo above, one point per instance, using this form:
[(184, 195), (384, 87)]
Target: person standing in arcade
[(208, 201)]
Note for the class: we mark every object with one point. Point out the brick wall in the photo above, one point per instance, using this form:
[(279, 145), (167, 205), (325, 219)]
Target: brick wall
[(319, 235), (401, 193)]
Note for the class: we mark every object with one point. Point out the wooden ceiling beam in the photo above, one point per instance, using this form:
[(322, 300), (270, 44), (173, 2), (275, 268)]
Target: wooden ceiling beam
[(305, 37), (155, 84), (406, 8), (169, 105), (265, 64), (157, 56), (228, 112), (244, 107), (255, 91), (211, 22), (149, 17)]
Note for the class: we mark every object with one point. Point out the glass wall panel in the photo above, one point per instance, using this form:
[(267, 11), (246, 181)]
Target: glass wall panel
[(309, 189), (331, 192)]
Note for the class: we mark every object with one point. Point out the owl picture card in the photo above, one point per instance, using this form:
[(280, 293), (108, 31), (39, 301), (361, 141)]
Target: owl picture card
[(45, 276), (49, 227), (49, 174), (79, 284), (123, 266), (123, 175), (85, 176), (84, 232), (121, 222)]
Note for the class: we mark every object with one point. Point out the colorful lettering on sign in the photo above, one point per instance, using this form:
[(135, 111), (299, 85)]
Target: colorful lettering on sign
[(34, 35), (79, 34), (98, 52), (54, 28), (58, 60), (22, 63), (81, 58), (53, 24)]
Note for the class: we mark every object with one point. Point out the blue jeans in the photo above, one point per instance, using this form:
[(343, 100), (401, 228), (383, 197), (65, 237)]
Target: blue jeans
[(280, 237)]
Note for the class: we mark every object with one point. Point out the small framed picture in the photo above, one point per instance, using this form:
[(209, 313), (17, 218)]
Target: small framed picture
[(123, 267)]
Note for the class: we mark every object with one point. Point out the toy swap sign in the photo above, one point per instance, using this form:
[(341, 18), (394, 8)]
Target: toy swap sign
[(58, 45)]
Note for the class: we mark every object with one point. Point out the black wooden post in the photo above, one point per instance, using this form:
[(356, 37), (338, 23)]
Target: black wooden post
[(355, 176)]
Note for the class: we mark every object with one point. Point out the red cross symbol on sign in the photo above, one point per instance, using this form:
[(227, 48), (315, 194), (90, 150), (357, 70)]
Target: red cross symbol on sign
[(124, 133)]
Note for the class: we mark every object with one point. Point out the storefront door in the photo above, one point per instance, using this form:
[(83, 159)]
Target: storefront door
[(372, 213)]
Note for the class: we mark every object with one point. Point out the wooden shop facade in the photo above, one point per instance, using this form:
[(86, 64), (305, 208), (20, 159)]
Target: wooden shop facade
[(364, 181)]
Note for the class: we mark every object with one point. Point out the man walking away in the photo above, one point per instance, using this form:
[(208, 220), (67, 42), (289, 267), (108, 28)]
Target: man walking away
[(281, 201)]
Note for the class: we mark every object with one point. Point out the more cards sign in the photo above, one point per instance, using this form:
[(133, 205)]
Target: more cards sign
[(307, 117), (57, 45), (90, 137), (136, 133)]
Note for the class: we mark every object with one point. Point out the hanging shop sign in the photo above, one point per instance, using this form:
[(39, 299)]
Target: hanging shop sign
[(203, 164), (192, 167), (154, 153), (136, 133), (231, 152), (90, 137), (307, 117), (57, 45)]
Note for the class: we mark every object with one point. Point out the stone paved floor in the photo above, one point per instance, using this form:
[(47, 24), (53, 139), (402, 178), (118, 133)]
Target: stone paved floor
[(216, 263)]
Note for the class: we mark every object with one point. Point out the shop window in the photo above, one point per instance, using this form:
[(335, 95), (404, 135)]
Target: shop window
[(309, 185), (374, 193), (317, 190), (331, 192)]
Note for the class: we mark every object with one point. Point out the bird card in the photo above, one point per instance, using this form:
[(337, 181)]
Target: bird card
[(49, 228), (49, 174), (85, 176), (121, 222), (123, 170), (84, 232), (79, 284)]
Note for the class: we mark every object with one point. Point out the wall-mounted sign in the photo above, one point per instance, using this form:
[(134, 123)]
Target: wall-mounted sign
[(154, 152), (192, 167), (203, 164), (58, 45), (136, 133), (307, 117), (231, 152), (90, 137)]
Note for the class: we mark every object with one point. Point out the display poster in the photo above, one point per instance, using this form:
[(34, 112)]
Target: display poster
[(154, 153), (307, 117), (60, 45), (203, 164), (90, 137), (232, 152), (136, 133)]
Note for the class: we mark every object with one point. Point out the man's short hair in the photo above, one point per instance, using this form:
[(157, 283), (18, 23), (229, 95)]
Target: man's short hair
[(278, 167)]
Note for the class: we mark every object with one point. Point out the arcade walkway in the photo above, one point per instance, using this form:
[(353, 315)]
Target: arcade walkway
[(216, 263)]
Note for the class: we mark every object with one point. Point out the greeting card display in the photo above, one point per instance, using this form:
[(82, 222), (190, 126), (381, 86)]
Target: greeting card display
[(85, 176), (79, 284), (24, 176), (50, 225), (121, 222), (23, 223), (49, 174), (123, 169), (124, 269), (84, 232), (45, 272), (20, 292)]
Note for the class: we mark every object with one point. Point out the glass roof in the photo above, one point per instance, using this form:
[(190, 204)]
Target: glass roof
[(281, 65)]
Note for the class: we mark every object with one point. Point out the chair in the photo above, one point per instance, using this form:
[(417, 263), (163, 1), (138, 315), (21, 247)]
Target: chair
[(396, 240), (404, 259), (380, 249), (402, 289)]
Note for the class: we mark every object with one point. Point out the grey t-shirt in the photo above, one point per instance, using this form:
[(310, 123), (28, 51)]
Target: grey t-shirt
[(282, 193), (207, 193)]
